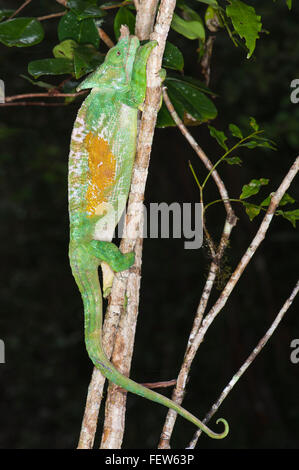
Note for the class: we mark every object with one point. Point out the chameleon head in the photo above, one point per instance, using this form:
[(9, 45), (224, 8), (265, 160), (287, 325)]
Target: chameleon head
[(116, 71)]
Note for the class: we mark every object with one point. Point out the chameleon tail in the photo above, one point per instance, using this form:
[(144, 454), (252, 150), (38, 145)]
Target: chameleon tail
[(92, 299)]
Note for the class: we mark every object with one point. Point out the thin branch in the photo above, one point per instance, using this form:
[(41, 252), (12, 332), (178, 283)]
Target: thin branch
[(179, 391), (32, 103), (196, 339), (118, 5), (206, 60), (51, 94), (152, 385), (247, 363), (230, 222), (20, 9), (202, 155), (105, 38), (113, 434), (53, 15)]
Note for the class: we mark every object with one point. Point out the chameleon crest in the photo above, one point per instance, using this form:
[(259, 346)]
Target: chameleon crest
[(101, 159)]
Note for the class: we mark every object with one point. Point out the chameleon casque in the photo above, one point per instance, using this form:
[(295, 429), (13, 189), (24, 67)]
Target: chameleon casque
[(101, 158)]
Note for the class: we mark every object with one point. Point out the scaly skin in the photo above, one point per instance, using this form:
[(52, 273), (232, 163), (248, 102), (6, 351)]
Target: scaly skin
[(100, 166)]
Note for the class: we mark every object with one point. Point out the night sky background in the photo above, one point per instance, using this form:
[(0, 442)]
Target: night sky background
[(45, 378)]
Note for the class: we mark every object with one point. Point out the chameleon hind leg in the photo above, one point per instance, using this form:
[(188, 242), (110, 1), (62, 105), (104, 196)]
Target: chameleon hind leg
[(112, 260)]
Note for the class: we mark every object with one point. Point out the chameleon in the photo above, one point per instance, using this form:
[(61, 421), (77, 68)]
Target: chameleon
[(102, 152)]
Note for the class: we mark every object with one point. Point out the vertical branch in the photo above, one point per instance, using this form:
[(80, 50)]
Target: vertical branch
[(114, 416), (115, 408), (145, 19)]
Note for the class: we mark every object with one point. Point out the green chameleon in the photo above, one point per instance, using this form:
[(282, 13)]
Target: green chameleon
[(101, 158)]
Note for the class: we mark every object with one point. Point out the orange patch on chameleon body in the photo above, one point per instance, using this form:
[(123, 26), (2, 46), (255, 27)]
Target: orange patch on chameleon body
[(102, 164)]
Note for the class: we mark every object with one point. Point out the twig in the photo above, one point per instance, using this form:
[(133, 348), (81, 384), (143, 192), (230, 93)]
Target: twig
[(230, 222), (32, 103), (51, 94), (179, 391), (152, 385), (20, 9), (202, 155), (118, 5), (206, 59), (196, 339), (105, 38), (53, 15), (247, 363)]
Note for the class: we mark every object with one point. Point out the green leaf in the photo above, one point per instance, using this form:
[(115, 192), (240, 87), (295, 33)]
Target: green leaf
[(233, 160), (253, 124), (5, 14), (219, 136), (188, 29), (85, 9), (286, 199), (164, 119), (259, 142), (65, 49), (36, 68), (253, 187), (251, 210), (124, 16), (192, 105), (246, 23), (38, 83), (21, 32), (86, 59), (251, 144), (292, 216), (83, 32), (194, 82), (235, 131), (172, 58)]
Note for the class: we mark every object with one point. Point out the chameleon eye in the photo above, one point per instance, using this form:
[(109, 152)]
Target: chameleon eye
[(118, 53)]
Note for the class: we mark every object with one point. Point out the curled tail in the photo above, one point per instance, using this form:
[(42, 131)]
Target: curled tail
[(87, 279)]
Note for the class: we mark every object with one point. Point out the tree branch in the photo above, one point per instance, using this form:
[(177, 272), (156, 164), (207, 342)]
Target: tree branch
[(247, 363), (195, 342), (20, 9), (132, 225), (113, 433)]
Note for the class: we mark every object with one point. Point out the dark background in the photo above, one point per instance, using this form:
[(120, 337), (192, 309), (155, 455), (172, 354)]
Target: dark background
[(47, 371)]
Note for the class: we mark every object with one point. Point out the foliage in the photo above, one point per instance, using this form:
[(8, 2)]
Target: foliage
[(34, 200), (77, 52)]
